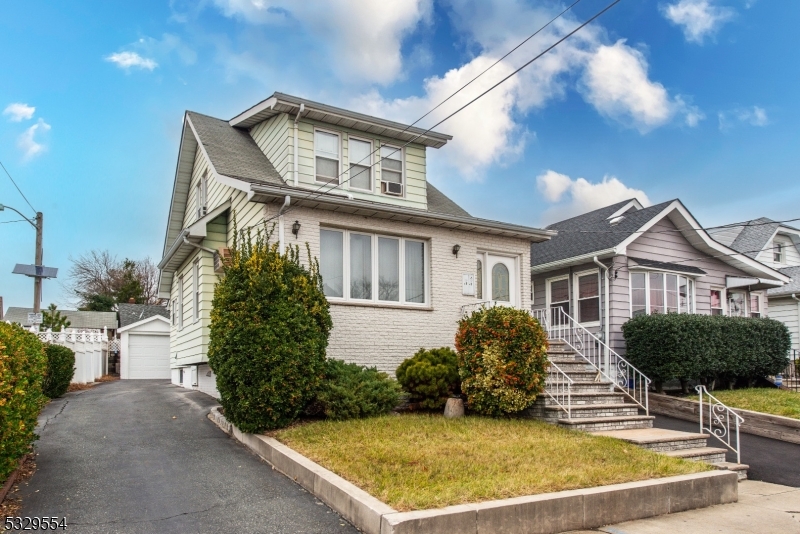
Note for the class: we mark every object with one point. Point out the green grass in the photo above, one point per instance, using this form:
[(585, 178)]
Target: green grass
[(414, 462), (764, 400)]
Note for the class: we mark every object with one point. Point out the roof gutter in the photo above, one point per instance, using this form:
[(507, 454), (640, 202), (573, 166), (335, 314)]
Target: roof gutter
[(575, 260)]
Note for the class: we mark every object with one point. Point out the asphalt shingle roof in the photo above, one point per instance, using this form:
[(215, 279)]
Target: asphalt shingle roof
[(77, 319), (790, 287), (591, 232), (133, 313)]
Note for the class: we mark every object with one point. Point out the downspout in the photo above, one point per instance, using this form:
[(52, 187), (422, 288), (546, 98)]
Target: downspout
[(606, 330), (295, 171), (286, 202)]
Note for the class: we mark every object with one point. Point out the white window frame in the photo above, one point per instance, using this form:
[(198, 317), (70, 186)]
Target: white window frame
[(723, 299), (196, 290), (339, 135), (402, 167), (350, 162), (426, 258), (180, 303), (692, 302), (576, 296)]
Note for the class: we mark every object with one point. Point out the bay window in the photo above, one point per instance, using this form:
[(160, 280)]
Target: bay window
[(326, 157), (658, 292), (361, 267)]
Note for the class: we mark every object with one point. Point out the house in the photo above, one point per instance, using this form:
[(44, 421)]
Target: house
[(777, 245), (398, 258), (143, 341), (81, 320), (617, 262)]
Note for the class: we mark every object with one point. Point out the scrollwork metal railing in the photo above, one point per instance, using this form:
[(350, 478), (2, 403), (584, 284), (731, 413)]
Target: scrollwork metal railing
[(719, 420)]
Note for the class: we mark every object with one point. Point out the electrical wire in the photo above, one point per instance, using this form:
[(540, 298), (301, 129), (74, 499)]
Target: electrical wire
[(18, 189)]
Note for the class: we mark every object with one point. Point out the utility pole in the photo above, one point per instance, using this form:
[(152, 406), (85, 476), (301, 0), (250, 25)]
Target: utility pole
[(37, 281)]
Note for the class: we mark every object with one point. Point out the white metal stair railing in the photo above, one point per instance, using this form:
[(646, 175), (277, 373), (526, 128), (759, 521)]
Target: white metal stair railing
[(613, 367), (719, 421)]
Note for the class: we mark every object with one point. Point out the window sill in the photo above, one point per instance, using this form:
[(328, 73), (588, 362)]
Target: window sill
[(369, 304)]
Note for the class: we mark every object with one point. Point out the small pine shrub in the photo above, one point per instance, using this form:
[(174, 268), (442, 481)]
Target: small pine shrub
[(269, 333), (502, 360), (350, 391), (60, 370), (430, 377), (22, 369)]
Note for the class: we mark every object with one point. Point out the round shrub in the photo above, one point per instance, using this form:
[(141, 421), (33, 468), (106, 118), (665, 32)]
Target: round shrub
[(22, 368), (269, 332), (502, 360), (430, 377), (60, 370), (350, 391)]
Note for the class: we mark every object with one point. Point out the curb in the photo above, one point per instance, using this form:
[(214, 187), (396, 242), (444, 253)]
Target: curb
[(545, 514)]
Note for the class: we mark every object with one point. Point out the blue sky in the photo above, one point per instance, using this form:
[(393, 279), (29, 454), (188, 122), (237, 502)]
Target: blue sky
[(695, 99)]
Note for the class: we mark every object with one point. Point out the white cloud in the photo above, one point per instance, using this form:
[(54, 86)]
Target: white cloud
[(127, 60), (754, 116), (617, 84), (697, 18), (362, 38), (18, 112), (27, 141), (573, 197)]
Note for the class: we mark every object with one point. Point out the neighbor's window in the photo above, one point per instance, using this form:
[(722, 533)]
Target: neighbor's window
[(589, 297), (755, 305), (354, 264), (716, 302), (736, 304), (658, 292), (391, 164), (360, 153), (326, 152)]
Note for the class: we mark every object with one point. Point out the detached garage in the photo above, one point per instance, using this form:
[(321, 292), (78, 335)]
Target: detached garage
[(144, 349)]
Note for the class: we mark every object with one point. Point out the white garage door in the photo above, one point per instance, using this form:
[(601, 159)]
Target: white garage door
[(149, 356)]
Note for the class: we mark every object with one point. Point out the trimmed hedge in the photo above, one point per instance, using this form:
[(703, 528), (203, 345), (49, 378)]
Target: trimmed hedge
[(350, 391), (502, 360), (269, 333), (706, 347), (22, 368), (60, 370), (430, 377)]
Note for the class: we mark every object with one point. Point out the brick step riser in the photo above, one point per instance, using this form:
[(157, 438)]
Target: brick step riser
[(668, 446), (618, 425)]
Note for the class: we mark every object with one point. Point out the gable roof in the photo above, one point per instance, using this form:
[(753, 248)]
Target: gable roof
[(133, 313), (77, 318)]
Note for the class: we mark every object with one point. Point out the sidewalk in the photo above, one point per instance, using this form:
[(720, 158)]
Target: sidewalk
[(763, 508)]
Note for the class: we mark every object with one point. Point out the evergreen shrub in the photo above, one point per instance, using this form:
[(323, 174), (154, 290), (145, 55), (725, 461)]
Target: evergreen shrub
[(269, 333), (502, 360), (430, 377), (22, 368), (706, 347), (60, 370), (350, 391)]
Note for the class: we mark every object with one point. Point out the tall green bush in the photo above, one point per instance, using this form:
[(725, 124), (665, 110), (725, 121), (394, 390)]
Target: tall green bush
[(22, 368), (60, 370), (705, 347), (269, 332), (350, 391), (430, 377), (502, 360)]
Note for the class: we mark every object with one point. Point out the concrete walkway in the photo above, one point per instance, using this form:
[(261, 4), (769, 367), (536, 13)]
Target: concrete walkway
[(141, 456), (763, 508)]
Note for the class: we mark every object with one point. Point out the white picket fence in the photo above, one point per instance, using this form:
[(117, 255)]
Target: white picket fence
[(91, 351)]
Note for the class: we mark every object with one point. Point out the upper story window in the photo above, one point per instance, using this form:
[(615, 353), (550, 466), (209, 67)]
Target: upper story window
[(392, 170), (655, 292), (360, 153), (326, 156)]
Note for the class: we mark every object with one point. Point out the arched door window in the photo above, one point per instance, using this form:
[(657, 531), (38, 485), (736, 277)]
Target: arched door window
[(500, 283)]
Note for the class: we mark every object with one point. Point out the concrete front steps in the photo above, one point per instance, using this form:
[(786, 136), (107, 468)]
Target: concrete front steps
[(598, 408)]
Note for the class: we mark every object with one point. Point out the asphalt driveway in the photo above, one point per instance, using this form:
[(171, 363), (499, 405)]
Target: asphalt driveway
[(141, 456)]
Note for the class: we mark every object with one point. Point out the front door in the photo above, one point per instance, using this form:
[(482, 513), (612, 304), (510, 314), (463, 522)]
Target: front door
[(497, 279)]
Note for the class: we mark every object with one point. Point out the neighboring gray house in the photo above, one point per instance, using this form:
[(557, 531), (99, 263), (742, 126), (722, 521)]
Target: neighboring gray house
[(77, 318), (778, 246), (611, 264)]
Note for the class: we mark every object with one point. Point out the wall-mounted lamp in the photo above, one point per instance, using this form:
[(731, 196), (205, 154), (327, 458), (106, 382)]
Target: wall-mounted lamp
[(296, 228), (456, 248)]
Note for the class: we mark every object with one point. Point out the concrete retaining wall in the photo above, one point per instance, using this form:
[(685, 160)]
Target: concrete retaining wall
[(547, 513), (760, 424)]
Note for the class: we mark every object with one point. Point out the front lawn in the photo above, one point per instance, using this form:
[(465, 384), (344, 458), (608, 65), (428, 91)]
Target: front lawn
[(764, 400), (414, 462)]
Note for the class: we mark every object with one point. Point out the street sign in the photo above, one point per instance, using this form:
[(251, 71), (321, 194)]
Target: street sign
[(35, 271), (35, 318)]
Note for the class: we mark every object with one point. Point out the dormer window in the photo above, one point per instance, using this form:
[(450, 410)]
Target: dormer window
[(326, 152), (360, 164), (392, 170)]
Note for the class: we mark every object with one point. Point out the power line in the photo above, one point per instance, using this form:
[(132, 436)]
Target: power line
[(318, 192), (18, 189)]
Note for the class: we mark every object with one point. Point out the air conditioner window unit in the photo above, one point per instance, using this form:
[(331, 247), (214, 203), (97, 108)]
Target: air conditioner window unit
[(393, 188)]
